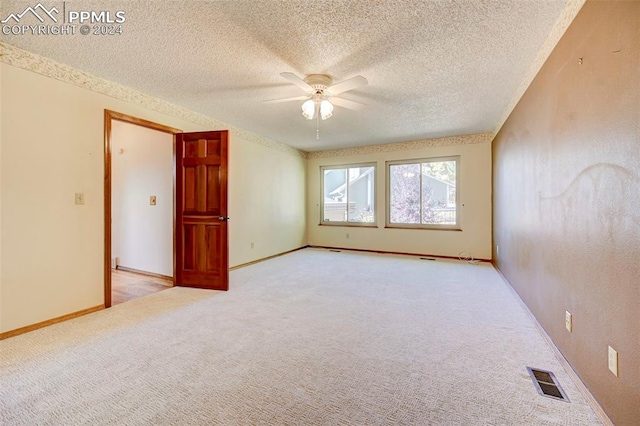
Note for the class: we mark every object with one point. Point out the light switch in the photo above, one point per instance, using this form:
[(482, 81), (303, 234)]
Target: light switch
[(152, 200), (79, 198), (613, 361)]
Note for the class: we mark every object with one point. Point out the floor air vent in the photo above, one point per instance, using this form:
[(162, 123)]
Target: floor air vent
[(336, 251), (547, 384), (427, 258)]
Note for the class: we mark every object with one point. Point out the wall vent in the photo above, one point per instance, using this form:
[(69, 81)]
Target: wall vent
[(427, 258), (336, 251), (546, 384)]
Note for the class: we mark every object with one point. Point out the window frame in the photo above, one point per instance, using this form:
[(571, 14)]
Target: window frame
[(373, 224), (432, 226)]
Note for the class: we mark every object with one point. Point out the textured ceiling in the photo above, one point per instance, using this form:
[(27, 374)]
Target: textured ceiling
[(435, 68)]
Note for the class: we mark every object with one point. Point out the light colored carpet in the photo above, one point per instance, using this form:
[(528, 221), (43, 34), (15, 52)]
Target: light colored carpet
[(310, 338)]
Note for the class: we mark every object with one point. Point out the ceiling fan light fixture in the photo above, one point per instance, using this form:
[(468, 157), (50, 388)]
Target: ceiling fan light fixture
[(326, 109), (319, 88), (309, 109)]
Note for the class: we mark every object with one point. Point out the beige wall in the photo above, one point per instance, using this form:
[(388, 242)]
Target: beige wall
[(567, 200), (142, 166), (475, 204), (267, 205), (52, 147)]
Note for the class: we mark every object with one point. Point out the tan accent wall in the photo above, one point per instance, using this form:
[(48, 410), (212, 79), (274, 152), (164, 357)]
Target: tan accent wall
[(566, 170)]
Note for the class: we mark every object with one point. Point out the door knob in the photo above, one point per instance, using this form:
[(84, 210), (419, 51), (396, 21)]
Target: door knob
[(222, 218)]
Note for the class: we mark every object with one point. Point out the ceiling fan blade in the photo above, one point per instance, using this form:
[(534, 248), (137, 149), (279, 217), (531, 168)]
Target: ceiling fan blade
[(345, 103), (343, 86), (277, 101), (297, 81)]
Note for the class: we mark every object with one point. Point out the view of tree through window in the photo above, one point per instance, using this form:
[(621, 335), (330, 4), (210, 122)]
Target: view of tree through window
[(423, 193), (348, 194)]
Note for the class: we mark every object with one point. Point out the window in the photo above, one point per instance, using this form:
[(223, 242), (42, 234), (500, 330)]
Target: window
[(348, 194), (422, 193)]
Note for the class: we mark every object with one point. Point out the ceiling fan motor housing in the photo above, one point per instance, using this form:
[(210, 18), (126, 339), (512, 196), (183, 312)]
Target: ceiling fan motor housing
[(319, 82)]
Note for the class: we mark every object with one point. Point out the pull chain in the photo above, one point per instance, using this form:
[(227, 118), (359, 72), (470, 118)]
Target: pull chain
[(317, 127)]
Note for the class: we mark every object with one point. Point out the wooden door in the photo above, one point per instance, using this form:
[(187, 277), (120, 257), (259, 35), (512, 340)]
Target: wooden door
[(201, 240)]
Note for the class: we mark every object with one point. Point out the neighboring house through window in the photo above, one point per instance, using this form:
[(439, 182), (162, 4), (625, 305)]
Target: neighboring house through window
[(348, 194), (423, 193)]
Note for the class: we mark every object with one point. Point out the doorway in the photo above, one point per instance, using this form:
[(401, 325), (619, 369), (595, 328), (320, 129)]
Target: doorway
[(144, 208), (199, 227)]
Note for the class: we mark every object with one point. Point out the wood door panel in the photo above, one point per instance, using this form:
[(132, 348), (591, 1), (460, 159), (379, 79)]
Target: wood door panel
[(202, 250), (213, 148), (190, 189), (189, 247), (191, 149), (212, 205), (203, 280), (201, 184), (212, 238), (201, 197)]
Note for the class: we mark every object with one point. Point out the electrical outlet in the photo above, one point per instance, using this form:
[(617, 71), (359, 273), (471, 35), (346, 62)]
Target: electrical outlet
[(613, 361), (152, 200), (347, 236), (568, 321), (251, 244), (79, 198)]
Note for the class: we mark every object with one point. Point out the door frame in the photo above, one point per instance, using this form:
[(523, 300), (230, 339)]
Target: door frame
[(109, 116)]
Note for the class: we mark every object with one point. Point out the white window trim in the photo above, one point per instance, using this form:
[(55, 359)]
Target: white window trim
[(451, 227), (373, 224)]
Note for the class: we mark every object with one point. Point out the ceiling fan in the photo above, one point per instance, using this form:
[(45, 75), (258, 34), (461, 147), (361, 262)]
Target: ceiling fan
[(321, 94)]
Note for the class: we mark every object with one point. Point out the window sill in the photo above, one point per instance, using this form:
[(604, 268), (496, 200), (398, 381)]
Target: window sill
[(422, 228), (350, 225)]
